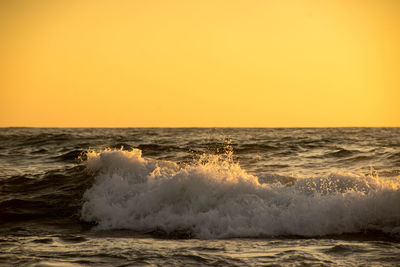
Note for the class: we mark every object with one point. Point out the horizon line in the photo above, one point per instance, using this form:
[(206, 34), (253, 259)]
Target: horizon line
[(192, 127)]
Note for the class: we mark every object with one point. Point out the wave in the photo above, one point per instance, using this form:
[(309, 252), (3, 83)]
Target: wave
[(56, 194), (70, 156), (254, 147), (215, 198), (340, 153)]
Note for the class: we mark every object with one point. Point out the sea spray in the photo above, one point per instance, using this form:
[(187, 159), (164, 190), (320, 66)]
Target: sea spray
[(215, 198)]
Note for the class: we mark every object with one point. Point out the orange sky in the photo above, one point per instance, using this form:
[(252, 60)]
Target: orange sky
[(282, 63)]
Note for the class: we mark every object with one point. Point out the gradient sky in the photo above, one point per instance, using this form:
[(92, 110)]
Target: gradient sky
[(299, 63)]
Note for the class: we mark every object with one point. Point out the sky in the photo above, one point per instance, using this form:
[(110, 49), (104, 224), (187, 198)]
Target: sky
[(200, 63)]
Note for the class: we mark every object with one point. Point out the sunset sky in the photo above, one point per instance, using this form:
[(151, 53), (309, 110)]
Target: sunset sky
[(299, 63)]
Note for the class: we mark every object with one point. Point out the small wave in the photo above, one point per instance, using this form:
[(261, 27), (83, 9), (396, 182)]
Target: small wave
[(215, 198), (40, 151), (55, 194), (158, 148), (42, 139), (345, 249), (43, 241), (341, 153), (70, 156), (394, 156), (247, 148), (357, 159), (19, 209)]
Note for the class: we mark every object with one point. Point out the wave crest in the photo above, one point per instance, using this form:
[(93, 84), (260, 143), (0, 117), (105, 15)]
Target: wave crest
[(215, 198)]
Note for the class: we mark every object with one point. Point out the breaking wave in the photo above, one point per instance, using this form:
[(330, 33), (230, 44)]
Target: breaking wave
[(215, 198)]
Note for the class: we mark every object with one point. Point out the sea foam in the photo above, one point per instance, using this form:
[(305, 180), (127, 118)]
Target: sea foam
[(215, 198)]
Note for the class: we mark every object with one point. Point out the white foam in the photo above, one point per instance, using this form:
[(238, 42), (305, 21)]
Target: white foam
[(215, 198)]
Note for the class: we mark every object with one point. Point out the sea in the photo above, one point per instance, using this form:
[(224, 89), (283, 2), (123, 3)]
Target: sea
[(199, 197)]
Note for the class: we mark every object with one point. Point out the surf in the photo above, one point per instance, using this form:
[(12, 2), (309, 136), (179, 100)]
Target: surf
[(213, 197)]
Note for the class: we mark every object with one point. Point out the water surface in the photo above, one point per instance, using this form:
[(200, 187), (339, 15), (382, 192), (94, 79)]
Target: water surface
[(125, 197)]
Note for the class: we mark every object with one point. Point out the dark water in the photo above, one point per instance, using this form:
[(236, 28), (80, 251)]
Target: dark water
[(126, 197)]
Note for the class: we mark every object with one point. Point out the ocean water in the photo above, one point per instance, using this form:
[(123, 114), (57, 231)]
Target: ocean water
[(208, 196)]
